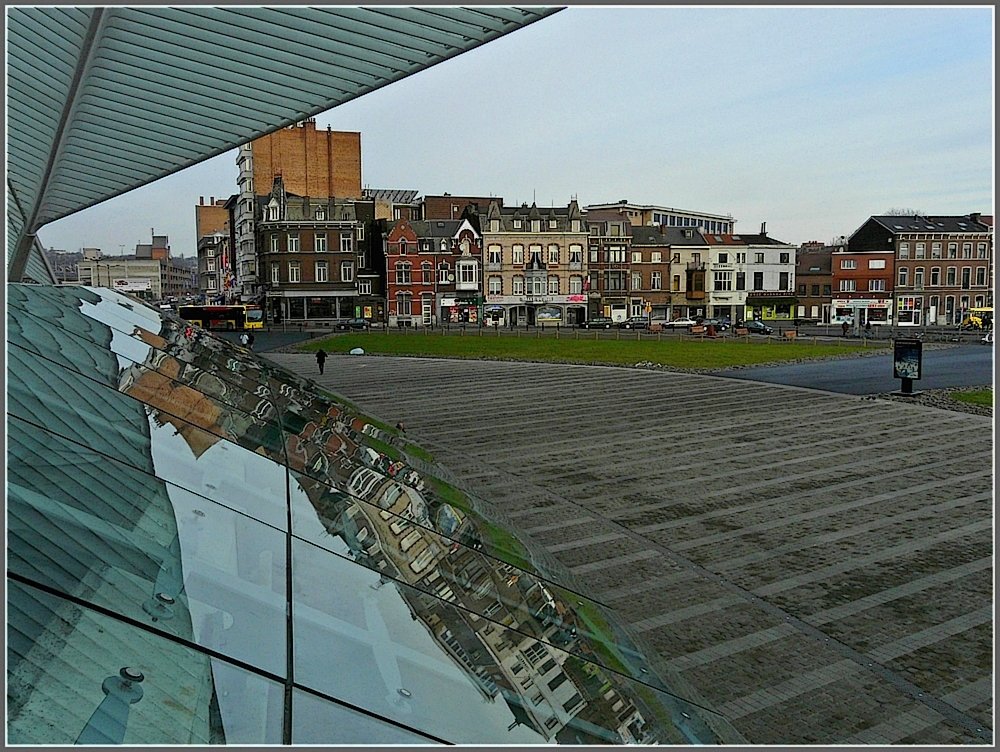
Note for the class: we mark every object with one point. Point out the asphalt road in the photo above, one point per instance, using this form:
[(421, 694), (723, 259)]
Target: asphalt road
[(963, 365)]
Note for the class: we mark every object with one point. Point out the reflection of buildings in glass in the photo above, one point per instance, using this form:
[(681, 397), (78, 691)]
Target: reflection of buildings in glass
[(545, 688), (106, 539)]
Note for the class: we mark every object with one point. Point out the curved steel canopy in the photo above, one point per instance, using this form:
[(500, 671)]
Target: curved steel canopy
[(104, 100)]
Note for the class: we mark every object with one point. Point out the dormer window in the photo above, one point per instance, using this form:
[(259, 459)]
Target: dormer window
[(464, 245), (517, 224), (553, 224), (494, 225), (575, 225), (536, 225), (444, 245), (272, 212), (321, 213)]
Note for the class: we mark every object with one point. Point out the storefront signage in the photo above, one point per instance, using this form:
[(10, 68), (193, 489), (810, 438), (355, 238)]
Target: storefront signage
[(132, 285), (523, 299)]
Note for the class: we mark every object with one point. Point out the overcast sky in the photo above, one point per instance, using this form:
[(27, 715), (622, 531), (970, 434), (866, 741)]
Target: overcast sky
[(809, 119)]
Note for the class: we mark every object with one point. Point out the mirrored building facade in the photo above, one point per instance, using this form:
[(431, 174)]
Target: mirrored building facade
[(204, 548)]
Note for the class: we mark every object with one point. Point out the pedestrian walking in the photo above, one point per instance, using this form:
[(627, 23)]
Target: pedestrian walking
[(400, 427), (868, 328), (250, 339), (844, 327), (320, 359), (244, 339)]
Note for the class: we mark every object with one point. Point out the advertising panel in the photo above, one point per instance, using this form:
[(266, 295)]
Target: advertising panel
[(907, 358)]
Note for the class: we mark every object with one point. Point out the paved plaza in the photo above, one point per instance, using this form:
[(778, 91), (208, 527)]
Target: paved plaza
[(816, 567)]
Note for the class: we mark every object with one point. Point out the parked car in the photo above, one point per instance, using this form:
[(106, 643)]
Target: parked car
[(634, 322), (720, 324), (346, 324), (681, 323), (757, 327), (598, 322)]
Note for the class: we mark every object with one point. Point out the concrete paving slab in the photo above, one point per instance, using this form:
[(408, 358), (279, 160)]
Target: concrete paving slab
[(814, 565)]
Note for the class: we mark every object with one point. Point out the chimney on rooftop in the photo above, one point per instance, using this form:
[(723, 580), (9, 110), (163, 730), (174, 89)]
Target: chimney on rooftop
[(763, 228), (974, 216), (201, 200), (212, 200)]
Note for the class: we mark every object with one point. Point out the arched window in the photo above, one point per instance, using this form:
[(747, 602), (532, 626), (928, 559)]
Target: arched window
[(402, 247), (404, 304)]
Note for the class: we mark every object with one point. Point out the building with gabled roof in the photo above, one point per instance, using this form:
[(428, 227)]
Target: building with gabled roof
[(534, 264), (943, 265), (434, 271)]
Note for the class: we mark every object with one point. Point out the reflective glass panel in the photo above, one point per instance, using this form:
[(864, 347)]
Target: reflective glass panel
[(153, 552), (75, 676), (398, 524), (316, 720), (424, 663)]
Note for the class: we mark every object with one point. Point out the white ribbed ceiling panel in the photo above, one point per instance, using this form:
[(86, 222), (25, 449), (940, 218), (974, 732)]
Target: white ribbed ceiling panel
[(104, 100)]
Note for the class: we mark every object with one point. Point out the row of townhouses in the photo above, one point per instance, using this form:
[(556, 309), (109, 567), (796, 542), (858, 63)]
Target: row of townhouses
[(303, 238)]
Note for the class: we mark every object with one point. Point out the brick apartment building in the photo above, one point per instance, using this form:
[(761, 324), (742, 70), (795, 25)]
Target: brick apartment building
[(215, 263), (318, 257), (862, 287), (814, 282), (435, 271), (941, 266), (609, 245), (319, 165)]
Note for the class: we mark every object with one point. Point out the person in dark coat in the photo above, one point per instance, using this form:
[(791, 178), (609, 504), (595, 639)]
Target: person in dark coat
[(320, 359)]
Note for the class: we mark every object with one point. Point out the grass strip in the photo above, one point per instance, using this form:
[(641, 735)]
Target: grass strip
[(980, 397), (585, 347)]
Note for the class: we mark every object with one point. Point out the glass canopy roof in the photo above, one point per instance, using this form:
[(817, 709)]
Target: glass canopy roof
[(102, 100), (205, 548)]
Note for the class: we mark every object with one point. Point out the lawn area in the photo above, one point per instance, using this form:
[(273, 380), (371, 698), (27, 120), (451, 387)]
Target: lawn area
[(678, 353), (981, 397)]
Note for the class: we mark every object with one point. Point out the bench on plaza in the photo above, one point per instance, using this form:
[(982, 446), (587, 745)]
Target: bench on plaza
[(791, 334), (741, 331), (697, 329)]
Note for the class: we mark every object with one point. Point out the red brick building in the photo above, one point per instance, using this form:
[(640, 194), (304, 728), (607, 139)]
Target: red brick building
[(942, 265), (862, 287), (434, 271)]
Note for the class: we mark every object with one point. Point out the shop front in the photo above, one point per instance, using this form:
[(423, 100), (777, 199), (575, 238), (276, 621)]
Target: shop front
[(860, 311), (535, 310), (322, 308), (771, 308), (460, 310)]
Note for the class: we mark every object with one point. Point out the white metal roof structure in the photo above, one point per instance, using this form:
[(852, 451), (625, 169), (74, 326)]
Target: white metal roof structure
[(102, 100)]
